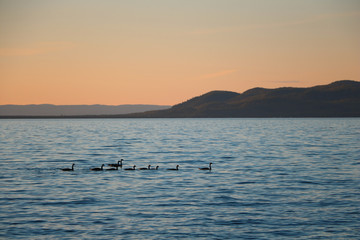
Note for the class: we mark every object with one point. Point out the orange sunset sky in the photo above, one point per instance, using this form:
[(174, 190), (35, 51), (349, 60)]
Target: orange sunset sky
[(166, 51)]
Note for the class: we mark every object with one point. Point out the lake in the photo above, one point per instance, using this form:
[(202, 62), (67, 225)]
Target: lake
[(270, 179)]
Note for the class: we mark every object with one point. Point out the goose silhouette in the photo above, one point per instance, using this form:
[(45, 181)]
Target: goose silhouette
[(98, 169), (119, 163), (206, 168), (69, 169), (148, 168), (112, 169), (129, 169), (174, 169)]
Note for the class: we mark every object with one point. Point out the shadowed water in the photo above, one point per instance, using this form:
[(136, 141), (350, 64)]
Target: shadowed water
[(271, 179)]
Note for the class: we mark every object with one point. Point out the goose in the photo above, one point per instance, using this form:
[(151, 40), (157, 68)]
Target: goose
[(111, 169), (98, 169), (69, 169), (148, 168), (119, 163), (129, 169), (157, 167), (206, 168), (174, 169)]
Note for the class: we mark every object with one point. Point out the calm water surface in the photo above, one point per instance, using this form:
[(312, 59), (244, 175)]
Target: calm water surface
[(271, 179)]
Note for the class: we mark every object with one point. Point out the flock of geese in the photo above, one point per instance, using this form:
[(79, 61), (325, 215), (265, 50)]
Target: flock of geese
[(115, 166)]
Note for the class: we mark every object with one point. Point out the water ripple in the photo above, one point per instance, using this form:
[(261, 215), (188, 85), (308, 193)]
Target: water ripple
[(271, 179)]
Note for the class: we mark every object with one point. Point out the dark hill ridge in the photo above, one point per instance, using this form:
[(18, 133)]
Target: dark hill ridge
[(338, 99)]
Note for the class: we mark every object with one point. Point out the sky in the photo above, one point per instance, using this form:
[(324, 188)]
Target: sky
[(166, 51)]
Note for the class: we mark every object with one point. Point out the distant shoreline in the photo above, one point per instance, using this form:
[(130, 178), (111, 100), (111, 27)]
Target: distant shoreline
[(50, 110), (340, 99), (132, 117)]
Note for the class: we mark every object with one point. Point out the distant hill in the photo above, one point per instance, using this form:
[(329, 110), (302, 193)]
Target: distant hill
[(74, 110), (338, 99)]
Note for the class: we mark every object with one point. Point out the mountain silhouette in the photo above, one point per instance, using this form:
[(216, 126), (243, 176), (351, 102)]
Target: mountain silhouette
[(338, 99)]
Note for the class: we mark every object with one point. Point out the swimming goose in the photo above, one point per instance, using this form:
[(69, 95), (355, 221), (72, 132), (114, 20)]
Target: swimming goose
[(129, 169), (157, 167), (111, 169), (69, 169), (98, 169), (148, 168), (119, 164), (174, 169), (206, 168)]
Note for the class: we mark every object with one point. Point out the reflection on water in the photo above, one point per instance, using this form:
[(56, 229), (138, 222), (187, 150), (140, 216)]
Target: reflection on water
[(271, 179)]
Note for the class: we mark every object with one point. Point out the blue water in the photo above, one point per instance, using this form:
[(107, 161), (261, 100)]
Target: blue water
[(271, 179)]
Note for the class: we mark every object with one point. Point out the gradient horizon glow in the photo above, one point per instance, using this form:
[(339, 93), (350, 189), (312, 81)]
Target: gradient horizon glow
[(164, 52)]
